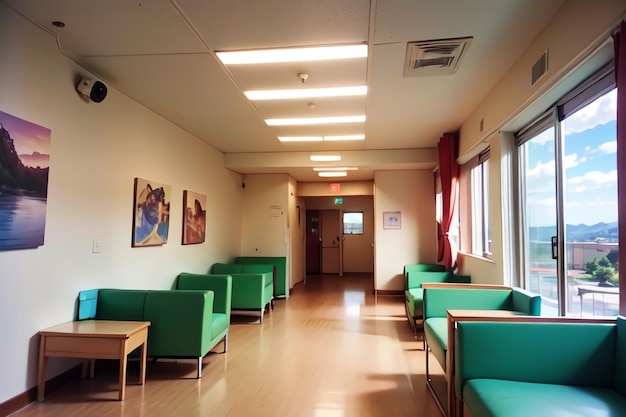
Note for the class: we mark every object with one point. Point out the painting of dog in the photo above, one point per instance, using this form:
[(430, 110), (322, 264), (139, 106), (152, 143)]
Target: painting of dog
[(151, 213), (194, 221)]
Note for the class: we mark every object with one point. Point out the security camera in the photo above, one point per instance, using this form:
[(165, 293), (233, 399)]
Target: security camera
[(95, 90)]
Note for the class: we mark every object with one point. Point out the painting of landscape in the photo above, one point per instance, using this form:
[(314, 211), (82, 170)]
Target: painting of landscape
[(24, 165)]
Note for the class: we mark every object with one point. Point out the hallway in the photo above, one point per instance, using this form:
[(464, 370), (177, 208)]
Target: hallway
[(333, 349)]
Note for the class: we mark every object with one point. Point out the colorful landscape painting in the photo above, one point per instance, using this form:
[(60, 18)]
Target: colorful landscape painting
[(24, 166)]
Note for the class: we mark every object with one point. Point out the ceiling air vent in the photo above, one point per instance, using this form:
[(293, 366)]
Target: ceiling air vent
[(435, 57), (539, 68)]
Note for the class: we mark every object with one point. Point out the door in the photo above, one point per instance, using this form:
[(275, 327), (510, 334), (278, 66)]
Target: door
[(313, 243), (568, 191), (331, 242)]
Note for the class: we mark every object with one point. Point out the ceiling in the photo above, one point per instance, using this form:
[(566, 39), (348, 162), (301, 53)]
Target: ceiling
[(162, 53)]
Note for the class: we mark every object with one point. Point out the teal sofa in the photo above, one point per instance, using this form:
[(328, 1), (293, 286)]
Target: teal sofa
[(439, 298), (184, 323), (415, 276), (558, 367), (253, 287)]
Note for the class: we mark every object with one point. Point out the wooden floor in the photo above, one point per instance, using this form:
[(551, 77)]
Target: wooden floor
[(332, 349)]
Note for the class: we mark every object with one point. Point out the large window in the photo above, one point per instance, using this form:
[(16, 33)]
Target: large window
[(481, 225), (568, 193), (352, 222)]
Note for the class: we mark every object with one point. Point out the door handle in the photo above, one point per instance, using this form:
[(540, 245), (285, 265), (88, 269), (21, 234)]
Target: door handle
[(555, 248)]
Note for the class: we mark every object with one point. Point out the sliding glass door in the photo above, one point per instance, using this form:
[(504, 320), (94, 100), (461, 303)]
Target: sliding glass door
[(568, 207)]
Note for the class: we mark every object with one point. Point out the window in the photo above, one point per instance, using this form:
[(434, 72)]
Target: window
[(481, 225), (353, 223), (568, 192)]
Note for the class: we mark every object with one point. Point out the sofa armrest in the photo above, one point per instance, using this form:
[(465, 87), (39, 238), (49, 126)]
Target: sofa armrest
[(526, 302), (248, 291), (181, 322), (220, 284), (415, 279)]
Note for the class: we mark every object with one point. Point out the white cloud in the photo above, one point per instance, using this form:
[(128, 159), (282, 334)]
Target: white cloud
[(608, 147), (599, 112), (592, 180), (570, 161)]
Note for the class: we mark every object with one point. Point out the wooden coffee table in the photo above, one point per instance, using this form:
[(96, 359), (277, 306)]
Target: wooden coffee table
[(94, 339)]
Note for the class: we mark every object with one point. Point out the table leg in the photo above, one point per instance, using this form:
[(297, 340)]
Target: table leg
[(123, 365), (142, 364), (43, 362)]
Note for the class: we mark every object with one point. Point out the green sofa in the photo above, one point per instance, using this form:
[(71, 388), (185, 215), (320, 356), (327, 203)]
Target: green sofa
[(184, 323), (281, 281), (414, 293), (439, 298), (558, 367), (253, 288)]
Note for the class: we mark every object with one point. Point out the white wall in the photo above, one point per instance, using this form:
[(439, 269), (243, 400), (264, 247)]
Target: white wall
[(265, 217), (96, 152), (417, 240)]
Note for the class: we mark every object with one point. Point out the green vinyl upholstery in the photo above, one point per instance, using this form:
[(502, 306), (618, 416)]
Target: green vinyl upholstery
[(558, 368)]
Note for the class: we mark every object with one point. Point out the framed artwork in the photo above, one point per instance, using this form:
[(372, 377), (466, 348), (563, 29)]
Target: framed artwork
[(194, 217), (392, 220), (151, 214), (24, 167)]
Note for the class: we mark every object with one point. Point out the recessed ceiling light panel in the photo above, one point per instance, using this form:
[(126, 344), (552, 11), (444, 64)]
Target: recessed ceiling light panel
[(269, 56), (332, 174), (325, 158), (360, 90), (344, 137), (300, 138), (315, 120)]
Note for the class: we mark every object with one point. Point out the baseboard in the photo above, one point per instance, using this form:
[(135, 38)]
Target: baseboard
[(394, 293), (22, 400)]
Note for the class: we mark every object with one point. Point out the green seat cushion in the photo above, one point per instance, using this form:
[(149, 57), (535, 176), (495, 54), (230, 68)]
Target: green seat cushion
[(494, 398), (415, 302), (436, 333)]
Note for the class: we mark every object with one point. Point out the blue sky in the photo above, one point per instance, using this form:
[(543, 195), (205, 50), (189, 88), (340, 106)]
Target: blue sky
[(590, 168)]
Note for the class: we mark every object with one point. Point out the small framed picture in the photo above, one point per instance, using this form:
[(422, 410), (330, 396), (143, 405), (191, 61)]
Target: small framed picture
[(194, 221), (392, 220)]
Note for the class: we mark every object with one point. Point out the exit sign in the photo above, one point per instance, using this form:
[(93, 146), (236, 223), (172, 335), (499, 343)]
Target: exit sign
[(334, 188), (338, 200)]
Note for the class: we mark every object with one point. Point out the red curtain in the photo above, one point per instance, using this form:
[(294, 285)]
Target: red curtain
[(620, 78), (449, 173)]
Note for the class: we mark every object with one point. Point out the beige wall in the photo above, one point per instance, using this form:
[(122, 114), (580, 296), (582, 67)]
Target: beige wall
[(573, 39), (579, 28), (96, 152), (416, 241), (358, 250)]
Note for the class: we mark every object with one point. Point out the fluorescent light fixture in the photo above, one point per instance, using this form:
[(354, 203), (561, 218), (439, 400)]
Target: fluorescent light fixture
[(325, 158), (360, 90), (300, 138), (268, 56), (332, 174), (315, 120), (319, 138), (345, 137), (336, 169)]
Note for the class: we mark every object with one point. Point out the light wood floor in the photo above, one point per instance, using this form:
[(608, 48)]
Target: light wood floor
[(332, 349)]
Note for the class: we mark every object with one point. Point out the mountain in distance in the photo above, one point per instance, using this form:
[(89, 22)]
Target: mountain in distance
[(606, 232), (15, 177), (35, 160)]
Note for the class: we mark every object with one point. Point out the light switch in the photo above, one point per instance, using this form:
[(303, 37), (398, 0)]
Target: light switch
[(97, 245)]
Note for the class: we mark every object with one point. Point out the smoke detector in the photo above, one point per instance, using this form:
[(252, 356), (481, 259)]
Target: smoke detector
[(434, 57)]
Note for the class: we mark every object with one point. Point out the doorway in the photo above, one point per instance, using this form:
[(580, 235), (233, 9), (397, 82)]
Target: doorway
[(324, 242)]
